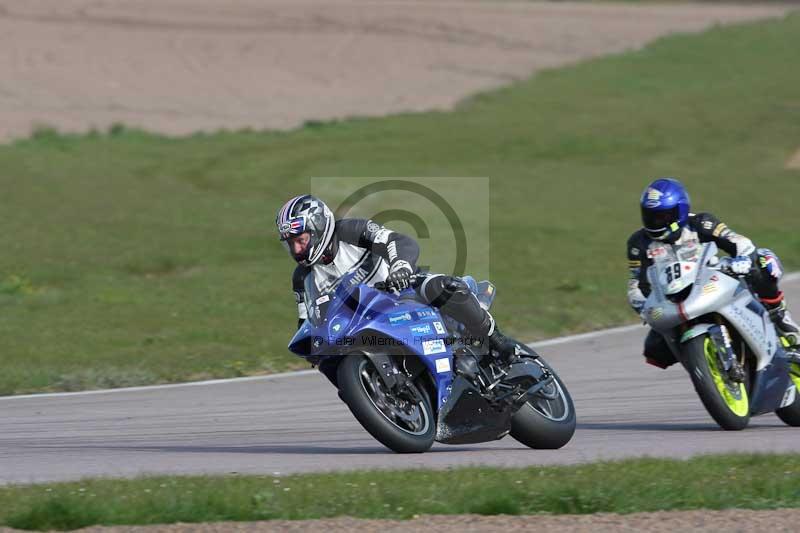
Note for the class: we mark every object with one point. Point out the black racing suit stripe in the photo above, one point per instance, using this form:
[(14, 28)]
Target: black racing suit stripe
[(298, 287)]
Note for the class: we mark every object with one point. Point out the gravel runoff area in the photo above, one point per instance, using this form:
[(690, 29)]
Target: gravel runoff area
[(181, 66), (794, 161), (731, 521)]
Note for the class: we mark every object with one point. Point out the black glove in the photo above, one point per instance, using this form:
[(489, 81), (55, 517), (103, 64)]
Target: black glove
[(399, 275)]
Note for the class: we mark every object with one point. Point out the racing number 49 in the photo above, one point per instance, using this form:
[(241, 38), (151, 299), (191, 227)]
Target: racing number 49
[(673, 272)]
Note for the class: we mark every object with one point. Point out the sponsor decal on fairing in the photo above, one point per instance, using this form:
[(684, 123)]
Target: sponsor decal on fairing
[(443, 365), (433, 346), (421, 329), (422, 314), (400, 318)]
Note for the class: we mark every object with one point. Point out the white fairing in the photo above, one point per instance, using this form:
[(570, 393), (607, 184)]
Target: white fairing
[(757, 329), (712, 291), (677, 275)]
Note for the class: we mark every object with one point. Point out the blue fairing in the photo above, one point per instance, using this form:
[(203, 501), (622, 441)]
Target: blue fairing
[(358, 317), (770, 384)]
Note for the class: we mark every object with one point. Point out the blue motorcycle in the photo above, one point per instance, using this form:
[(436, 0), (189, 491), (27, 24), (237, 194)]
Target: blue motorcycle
[(412, 376)]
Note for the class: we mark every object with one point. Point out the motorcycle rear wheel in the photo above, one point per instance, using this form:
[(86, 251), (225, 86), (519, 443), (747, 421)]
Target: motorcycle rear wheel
[(790, 415), (725, 400), (546, 421)]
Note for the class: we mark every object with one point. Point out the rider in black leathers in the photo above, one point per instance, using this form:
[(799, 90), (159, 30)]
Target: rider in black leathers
[(667, 220), (328, 249)]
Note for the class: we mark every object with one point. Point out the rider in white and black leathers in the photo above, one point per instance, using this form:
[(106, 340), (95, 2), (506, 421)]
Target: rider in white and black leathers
[(329, 249), (667, 220)]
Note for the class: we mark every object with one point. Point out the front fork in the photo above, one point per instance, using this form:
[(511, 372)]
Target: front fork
[(725, 354), (729, 363)]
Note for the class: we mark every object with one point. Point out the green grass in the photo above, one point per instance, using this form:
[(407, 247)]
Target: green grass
[(131, 258), (710, 482)]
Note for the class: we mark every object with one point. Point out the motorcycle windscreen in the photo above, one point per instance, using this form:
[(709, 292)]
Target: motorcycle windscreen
[(675, 266), (317, 301)]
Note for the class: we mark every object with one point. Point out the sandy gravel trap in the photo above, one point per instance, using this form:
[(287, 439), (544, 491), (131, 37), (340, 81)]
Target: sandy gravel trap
[(179, 66), (731, 521)]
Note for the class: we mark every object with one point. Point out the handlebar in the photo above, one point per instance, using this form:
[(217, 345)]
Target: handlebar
[(724, 266)]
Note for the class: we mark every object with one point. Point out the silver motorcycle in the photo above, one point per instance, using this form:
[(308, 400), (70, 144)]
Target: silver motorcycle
[(721, 333)]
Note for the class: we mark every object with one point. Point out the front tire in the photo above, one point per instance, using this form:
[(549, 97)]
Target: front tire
[(546, 421), (402, 424), (790, 415), (725, 400)]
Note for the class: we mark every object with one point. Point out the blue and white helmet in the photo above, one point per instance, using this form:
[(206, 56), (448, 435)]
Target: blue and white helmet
[(306, 214), (665, 208)]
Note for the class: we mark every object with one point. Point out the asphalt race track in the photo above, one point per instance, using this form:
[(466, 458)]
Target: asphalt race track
[(296, 423)]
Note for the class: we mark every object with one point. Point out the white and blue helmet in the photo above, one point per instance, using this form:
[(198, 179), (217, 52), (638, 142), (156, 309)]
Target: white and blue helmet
[(306, 214)]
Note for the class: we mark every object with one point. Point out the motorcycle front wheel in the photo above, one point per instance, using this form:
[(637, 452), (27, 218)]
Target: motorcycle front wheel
[(401, 421), (725, 400)]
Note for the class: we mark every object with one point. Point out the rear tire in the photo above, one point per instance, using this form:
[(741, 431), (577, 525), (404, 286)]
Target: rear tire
[(725, 401), (546, 424), (791, 413), (401, 425)]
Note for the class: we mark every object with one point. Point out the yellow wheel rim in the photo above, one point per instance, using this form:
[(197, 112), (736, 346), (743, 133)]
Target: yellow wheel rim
[(794, 372), (735, 394)]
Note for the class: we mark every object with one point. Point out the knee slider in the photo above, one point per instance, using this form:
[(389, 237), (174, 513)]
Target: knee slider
[(456, 288), (445, 289)]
